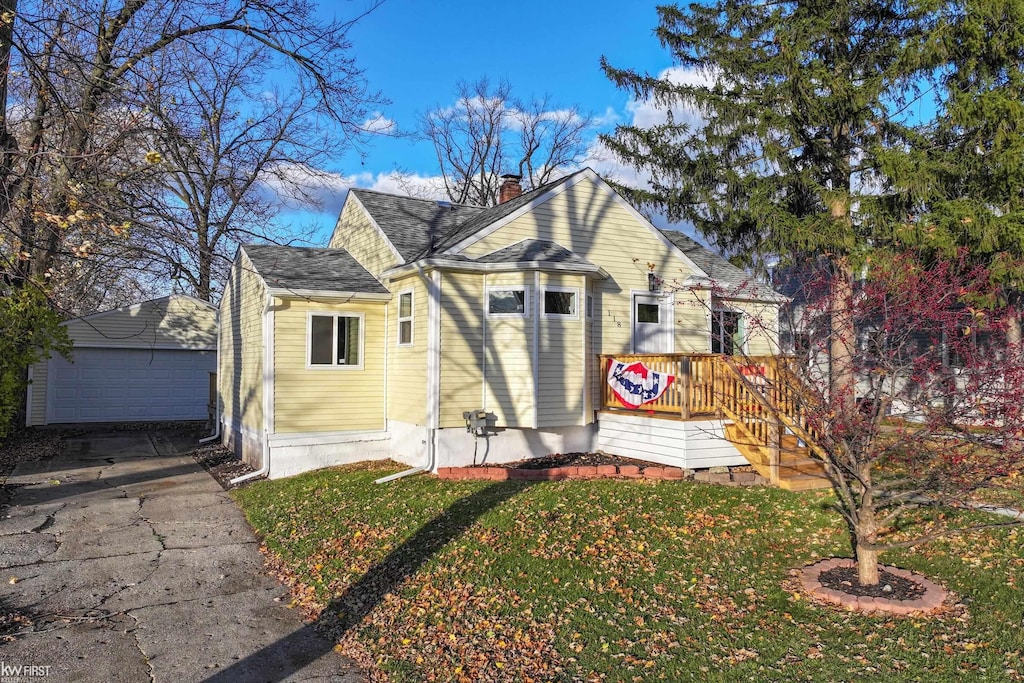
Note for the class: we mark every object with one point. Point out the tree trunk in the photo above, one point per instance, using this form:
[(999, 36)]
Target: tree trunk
[(867, 566), (8, 144), (866, 530), (843, 335), (1013, 334)]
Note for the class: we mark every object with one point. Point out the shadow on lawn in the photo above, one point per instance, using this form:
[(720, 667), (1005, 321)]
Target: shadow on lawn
[(289, 655)]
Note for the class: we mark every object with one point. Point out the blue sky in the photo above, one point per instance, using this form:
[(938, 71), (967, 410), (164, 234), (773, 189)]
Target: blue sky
[(415, 52)]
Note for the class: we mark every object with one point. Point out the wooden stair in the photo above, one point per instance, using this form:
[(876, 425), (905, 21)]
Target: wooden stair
[(768, 409), (798, 471)]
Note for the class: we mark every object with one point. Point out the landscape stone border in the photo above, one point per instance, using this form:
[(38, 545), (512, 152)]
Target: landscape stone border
[(600, 472), (933, 598)]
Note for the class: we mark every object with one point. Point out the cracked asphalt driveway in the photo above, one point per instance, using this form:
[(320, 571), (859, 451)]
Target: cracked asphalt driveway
[(135, 565)]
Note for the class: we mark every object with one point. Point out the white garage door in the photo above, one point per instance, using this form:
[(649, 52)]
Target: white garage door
[(129, 385)]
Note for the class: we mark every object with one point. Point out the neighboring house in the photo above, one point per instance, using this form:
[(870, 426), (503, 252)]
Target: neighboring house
[(420, 311), (147, 362)]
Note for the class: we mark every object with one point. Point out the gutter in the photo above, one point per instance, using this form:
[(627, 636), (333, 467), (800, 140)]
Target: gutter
[(218, 414)]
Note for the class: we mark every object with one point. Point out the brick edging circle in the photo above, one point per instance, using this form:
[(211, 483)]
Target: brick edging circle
[(933, 598), (560, 473)]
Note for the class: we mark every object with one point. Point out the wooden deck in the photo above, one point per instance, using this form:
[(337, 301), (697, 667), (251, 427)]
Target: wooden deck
[(759, 399)]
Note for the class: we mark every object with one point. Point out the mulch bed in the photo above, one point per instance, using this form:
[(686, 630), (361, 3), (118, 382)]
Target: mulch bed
[(834, 581), (569, 460), (222, 464), (32, 444), (889, 586)]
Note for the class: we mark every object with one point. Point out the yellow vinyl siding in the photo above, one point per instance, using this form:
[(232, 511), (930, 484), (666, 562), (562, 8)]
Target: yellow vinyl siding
[(171, 322), (462, 341), (508, 369), (588, 221), (560, 380), (356, 233), (240, 360), (407, 365), (692, 334), (760, 324), (326, 399)]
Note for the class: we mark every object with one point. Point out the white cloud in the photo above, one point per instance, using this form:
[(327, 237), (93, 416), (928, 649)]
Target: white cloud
[(609, 118), (378, 123), (646, 113), (302, 188)]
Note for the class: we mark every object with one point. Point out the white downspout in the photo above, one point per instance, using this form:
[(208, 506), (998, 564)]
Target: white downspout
[(268, 386), (433, 378), (219, 412), (415, 470)]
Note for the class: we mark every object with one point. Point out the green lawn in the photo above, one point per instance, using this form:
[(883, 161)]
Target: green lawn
[(616, 581)]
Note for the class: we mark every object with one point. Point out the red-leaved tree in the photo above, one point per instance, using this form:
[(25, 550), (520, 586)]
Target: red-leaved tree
[(933, 420)]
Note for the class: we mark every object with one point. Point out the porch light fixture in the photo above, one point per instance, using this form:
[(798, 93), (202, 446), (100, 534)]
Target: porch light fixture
[(653, 283)]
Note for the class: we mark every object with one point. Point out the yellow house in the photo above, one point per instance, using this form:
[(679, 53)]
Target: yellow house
[(420, 314)]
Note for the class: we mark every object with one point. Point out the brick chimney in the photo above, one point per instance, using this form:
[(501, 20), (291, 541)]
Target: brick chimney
[(510, 188)]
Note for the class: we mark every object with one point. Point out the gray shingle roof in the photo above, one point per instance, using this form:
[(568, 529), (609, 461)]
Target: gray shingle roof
[(307, 268), (413, 225), (719, 271), (485, 217), (544, 251)]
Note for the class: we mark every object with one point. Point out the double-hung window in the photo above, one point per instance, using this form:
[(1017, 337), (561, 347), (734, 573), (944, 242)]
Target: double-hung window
[(335, 340), (405, 318), (726, 332)]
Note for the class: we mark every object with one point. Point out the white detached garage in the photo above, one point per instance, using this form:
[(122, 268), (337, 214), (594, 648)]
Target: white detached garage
[(147, 362)]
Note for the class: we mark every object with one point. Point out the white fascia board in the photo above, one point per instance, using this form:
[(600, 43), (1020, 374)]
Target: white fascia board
[(474, 267), (373, 222), (458, 247), (283, 293)]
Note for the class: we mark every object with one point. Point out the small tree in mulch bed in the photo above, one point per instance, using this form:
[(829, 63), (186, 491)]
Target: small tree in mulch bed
[(934, 413)]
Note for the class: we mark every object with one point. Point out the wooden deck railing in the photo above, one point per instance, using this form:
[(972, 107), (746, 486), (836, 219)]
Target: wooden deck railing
[(691, 394), (761, 395)]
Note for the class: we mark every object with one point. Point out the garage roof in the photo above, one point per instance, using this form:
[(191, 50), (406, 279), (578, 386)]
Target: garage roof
[(175, 321)]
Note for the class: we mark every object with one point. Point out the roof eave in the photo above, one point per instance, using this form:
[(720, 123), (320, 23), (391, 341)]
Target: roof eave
[(736, 292), (286, 293), (511, 266)]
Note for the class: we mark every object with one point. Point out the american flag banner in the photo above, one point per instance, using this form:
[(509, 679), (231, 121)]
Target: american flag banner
[(634, 384)]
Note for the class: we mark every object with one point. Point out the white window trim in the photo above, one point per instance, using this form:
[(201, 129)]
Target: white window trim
[(334, 339), (525, 289), (575, 291), (411, 318), (589, 306)]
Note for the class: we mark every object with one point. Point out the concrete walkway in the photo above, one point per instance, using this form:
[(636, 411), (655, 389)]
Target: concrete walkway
[(135, 565)]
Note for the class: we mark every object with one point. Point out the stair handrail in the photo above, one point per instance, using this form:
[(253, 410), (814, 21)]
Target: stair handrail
[(791, 421)]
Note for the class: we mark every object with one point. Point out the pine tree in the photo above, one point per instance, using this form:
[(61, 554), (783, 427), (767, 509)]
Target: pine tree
[(800, 99), (967, 174)]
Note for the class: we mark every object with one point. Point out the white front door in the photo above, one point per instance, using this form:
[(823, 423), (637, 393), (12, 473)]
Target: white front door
[(652, 324)]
